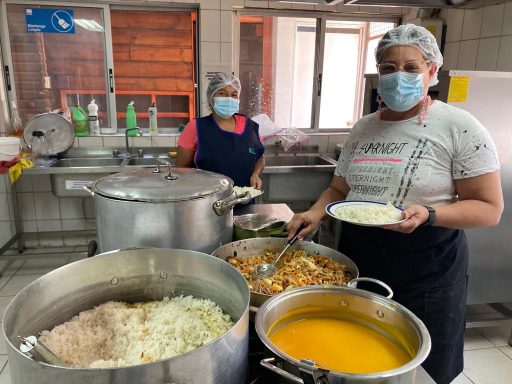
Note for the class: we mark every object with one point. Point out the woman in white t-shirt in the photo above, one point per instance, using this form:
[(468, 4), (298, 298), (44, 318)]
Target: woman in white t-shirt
[(438, 163)]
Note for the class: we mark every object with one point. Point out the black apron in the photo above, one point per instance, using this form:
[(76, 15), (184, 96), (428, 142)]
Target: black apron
[(427, 271)]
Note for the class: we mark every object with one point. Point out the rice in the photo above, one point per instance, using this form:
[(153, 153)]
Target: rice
[(118, 334), (241, 190), (369, 214)]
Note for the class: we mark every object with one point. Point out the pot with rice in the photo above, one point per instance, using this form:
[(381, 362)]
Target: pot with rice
[(133, 316)]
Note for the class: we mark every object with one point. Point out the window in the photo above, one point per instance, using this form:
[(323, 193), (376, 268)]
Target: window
[(112, 55), (305, 72)]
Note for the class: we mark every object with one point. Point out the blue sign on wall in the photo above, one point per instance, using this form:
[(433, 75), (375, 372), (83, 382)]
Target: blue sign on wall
[(49, 20)]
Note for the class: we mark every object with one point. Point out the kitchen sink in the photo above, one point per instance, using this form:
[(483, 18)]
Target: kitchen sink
[(295, 161), (86, 162), (146, 161)]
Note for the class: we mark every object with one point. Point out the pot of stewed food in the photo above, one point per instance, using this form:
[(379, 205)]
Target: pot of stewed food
[(133, 316), (304, 264)]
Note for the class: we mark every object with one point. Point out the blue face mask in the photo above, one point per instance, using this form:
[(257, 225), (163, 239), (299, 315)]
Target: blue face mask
[(401, 90), (225, 107)]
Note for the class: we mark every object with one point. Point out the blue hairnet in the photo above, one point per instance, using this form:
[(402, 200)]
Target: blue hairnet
[(414, 36), (219, 81)]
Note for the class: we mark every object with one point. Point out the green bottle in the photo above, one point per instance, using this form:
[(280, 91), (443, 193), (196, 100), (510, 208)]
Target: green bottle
[(80, 122), (131, 119)]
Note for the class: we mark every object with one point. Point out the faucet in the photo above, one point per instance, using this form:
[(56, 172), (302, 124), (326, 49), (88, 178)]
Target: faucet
[(128, 153)]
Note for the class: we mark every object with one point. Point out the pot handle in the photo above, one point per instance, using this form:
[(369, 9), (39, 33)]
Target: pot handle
[(267, 363), (222, 207), (253, 309), (353, 284)]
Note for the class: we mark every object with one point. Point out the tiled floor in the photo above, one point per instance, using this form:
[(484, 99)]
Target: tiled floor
[(487, 356)]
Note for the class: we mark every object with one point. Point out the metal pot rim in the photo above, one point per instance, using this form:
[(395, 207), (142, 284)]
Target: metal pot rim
[(421, 354)]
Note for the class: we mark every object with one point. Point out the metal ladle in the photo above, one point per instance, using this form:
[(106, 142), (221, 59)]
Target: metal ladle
[(268, 269)]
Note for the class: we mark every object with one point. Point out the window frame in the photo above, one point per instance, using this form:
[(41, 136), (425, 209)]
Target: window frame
[(109, 73), (321, 28)]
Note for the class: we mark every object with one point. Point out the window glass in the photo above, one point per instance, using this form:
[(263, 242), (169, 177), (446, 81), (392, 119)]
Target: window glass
[(154, 62), (276, 68), (58, 70)]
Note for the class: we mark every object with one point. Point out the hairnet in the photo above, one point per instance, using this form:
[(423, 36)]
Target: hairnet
[(219, 81), (414, 36)]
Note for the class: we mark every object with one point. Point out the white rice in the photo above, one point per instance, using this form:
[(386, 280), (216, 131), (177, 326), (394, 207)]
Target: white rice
[(369, 214), (241, 190), (118, 334)]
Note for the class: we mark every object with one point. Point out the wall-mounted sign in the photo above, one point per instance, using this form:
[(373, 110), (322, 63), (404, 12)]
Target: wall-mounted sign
[(49, 20)]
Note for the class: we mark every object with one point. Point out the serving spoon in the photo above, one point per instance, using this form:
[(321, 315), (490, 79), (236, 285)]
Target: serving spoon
[(268, 269)]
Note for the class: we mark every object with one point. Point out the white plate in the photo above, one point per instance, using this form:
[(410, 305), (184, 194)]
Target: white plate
[(332, 208)]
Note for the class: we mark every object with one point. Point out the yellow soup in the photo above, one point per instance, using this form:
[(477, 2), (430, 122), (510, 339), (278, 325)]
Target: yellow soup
[(339, 345)]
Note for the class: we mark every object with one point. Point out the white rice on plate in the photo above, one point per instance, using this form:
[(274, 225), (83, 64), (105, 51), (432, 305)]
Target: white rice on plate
[(369, 214), (118, 334)]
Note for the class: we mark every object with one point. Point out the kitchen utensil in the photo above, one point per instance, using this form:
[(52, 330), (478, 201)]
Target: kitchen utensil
[(132, 275), (57, 130), (379, 313), (268, 269), (32, 347)]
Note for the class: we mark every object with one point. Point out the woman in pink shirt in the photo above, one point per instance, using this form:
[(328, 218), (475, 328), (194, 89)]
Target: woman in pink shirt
[(225, 141)]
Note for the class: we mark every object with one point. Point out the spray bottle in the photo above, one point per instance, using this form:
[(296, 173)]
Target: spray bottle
[(131, 119), (153, 126), (94, 124)]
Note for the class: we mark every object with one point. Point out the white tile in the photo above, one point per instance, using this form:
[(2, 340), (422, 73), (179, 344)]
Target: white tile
[(81, 248), (451, 55), (226, 29), (475, 340), (210, 52), (210, 26), (24, 184), (256, 4), (487, 58), (89, 208), (487, 366), (3, 183), (4, 302), (163, 141), (29, 226), (305, 6), (334, 140), (507, 20), (229, 4), (41, 183), (498, 336), (26, 206), (461, 379), (49, 225), (47, 206), (391, 10), (5, 232), (17, 283), (226, 53), (75, 239), (10, 206), (71, 208), (90, 141), (321, 140), (113, 141), (5, 376), (73, 225), (3, 350), (72, 259), (90, 224), (31, 240), (41, 265), (209, 4), (492, 20), (505, 55), (507, 351), (278, 5), (472, 24), (3, 361), (467, 55), (51, 239), (4, 207)]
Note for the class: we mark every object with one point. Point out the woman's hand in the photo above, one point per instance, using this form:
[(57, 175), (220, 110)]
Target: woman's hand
[(414, 215), (255, 181), (310, 219)]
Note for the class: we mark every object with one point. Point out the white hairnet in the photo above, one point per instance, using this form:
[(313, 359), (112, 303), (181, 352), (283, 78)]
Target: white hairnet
[(219, 81), (414, 36)]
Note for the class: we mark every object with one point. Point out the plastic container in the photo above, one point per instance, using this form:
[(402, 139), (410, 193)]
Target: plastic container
[(153, 126), (94, 124), (40, 153), (80, 122), (15, 126), (131, 119), (9, 148)]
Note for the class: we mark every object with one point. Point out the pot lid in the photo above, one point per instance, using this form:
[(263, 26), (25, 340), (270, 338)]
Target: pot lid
[(58, 132), (145, 185)]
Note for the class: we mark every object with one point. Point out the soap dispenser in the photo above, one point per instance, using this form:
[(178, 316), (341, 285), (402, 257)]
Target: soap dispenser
[(94, 124), (131, 119)]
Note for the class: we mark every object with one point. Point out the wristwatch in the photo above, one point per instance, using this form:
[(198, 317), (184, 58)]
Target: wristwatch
[(431, 217)]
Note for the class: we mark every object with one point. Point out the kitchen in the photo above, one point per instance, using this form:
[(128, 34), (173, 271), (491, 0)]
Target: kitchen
[(476, 39)]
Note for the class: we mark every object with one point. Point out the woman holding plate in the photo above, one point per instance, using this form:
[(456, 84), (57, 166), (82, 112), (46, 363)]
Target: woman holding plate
[(440, 165)]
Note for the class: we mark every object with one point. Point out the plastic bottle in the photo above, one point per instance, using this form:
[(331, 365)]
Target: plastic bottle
[(16, 127), (40, 153), (80, 125), (131, 119), (94, 124), (153, 126)]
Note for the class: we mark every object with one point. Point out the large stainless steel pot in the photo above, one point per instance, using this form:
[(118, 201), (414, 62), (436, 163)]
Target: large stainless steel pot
[(252, 247), (133, 275), (375, 311), (186, 209)]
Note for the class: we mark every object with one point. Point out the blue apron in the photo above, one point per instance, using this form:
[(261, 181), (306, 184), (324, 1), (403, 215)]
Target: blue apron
[(228, 153), (427, 271)]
